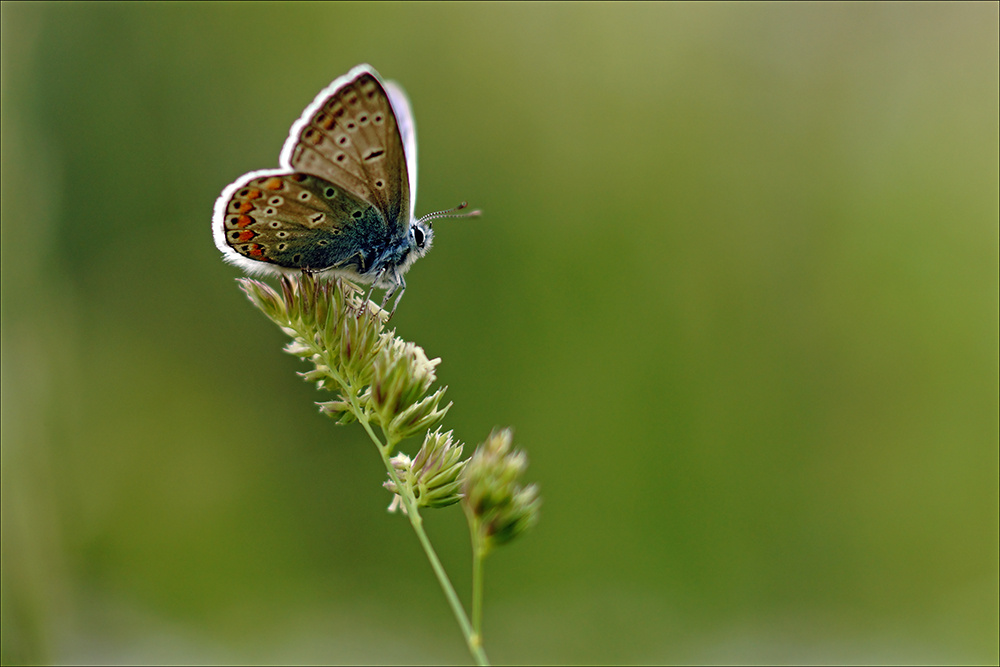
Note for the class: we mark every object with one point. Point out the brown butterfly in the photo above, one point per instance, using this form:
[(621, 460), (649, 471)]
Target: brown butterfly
[(343, 200)]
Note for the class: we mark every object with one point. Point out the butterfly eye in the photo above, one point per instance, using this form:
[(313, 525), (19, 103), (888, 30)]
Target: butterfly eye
[(418, 236)]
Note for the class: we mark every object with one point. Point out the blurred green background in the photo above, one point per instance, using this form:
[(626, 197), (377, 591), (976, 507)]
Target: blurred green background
[(735, 288)]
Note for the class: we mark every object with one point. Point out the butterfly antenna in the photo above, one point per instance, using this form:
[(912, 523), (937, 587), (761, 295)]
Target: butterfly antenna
[(452, 213)]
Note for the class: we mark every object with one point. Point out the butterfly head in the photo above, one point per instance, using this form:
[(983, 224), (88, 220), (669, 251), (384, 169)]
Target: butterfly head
[(422, 236), (413, 247)]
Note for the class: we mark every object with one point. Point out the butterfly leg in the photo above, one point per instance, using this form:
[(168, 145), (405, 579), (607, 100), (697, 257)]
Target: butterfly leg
[(397, 288), (397, 283), (401, 289), (371, 290)]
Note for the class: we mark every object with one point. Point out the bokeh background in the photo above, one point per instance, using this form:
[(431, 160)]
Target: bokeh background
[(736, 289)]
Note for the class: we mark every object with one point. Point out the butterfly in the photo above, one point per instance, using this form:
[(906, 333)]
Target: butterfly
[(344, 198)]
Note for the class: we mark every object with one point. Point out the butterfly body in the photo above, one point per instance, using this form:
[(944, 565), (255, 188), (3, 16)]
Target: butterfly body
[(342, 201)]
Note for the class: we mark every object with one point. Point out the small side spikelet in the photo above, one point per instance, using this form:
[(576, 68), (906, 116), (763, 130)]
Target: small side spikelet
[(432, 477), (498, 508)]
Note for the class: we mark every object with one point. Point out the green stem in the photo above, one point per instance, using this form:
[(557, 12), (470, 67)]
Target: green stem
[(477, 588), (472, 639)]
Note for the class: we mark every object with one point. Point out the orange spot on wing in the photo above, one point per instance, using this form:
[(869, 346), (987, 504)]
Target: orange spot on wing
[(256, 250), (244, 221), (244, 207), (274, 184), (254, 194), (246, 235)]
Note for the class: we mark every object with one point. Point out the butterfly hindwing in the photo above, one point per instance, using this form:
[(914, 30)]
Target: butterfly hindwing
[(350, 137), (295, 221)]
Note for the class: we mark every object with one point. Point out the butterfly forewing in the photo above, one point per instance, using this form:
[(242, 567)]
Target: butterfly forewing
[(351, 139), (294, 221)]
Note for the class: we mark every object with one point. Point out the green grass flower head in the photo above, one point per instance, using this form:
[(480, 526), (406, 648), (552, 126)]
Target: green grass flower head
[(384, 382)]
